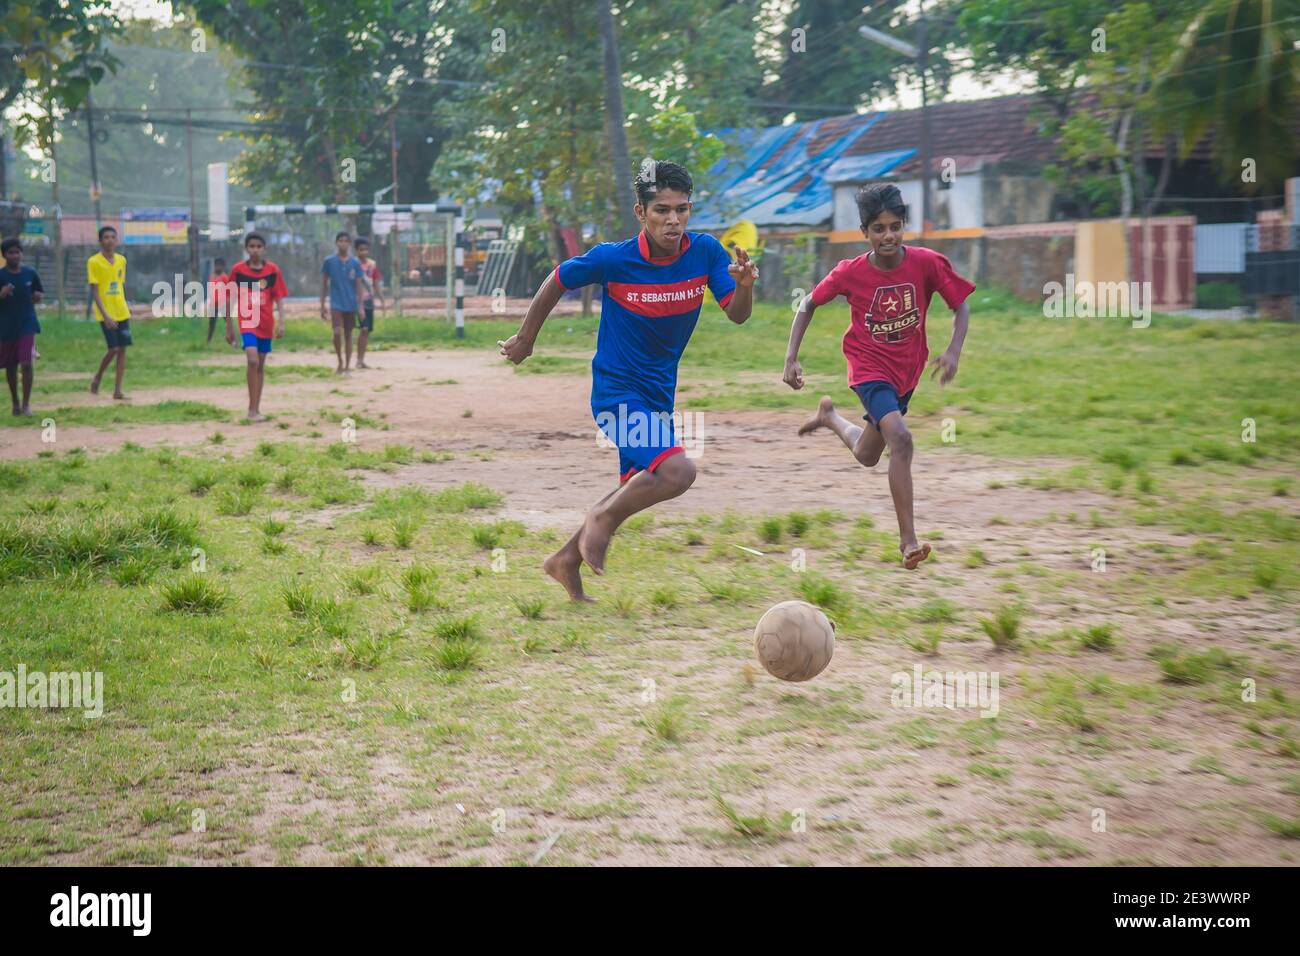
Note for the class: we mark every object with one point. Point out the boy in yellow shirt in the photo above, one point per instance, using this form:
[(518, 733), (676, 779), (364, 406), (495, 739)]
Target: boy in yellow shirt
[(107, 275)]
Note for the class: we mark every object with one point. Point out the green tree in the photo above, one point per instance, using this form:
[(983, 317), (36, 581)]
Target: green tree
[(533, 135), (1235, 70), (51, 53), (1106, 144), (321, 114), (140, 122), (1166, 71), (822, 65), (1095, 71)]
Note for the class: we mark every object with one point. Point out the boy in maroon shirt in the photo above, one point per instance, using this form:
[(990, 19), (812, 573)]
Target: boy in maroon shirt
[(889, 290)]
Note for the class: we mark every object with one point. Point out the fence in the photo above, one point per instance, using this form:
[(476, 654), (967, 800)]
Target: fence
[(425, 262), (1221, 269)]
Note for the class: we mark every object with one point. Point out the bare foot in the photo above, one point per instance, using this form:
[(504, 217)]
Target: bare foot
[(825, 409), (339, 370), (566, 570), (914, 554), (17, 411), (593, 541), (362, 365), (26, 411), (254, 416), (94, 386), (120, 396)]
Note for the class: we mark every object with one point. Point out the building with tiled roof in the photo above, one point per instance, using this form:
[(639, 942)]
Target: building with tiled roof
[(986, 159)]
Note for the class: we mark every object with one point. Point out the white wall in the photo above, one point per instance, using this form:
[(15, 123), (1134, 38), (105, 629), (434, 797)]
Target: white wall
[(964, 203)]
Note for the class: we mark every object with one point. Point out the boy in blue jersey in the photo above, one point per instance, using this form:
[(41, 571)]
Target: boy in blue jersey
[(652, 289)]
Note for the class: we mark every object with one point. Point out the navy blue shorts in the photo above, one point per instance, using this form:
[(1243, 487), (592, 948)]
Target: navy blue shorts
[(368, 317), (879, 399), (118, 338), (644, 437)]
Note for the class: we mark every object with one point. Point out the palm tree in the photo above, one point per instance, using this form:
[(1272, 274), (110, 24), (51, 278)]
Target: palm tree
[(1236, 70)]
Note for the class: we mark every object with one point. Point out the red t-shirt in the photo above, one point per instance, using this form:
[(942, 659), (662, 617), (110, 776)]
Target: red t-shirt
[(885, 341), (219, 294), (258, 291)]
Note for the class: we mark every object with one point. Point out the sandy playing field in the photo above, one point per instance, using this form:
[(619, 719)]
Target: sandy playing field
[(1168, 772)]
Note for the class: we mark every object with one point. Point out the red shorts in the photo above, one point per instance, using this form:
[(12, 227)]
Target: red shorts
[(17, 351)]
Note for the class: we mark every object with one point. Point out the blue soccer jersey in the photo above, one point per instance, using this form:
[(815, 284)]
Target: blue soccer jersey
[(648, 311)]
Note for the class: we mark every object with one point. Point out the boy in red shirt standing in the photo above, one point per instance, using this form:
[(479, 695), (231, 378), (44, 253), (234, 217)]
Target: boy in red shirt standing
[(372, 293), (259, 289), (889, 290)]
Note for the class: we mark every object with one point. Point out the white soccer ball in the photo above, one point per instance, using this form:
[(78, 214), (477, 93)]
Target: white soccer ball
[(794, 640)]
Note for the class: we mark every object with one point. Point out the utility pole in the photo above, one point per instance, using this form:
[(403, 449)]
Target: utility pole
[(192, 232), (58, 225), (394, 244), (94, 168), (922, 58), (920, 53), (614, 119), (94, 180)]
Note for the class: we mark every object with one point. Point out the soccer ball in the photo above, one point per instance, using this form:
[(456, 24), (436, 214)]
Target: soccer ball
[(794, 640)]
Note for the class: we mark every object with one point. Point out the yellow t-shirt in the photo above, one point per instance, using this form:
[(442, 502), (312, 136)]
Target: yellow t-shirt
[(111, 279)]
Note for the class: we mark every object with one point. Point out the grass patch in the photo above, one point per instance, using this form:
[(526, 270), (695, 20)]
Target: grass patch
[(1003, 628), (195, 594)]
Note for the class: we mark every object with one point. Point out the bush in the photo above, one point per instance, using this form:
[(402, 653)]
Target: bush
[(1219, 295)]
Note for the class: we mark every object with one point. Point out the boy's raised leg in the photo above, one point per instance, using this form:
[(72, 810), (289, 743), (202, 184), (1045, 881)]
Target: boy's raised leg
[(644, 489), (867, 444), (899, 440), (565, 565)]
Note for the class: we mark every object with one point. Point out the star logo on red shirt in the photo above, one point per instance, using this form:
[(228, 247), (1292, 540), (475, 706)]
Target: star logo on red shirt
[(890, 305)]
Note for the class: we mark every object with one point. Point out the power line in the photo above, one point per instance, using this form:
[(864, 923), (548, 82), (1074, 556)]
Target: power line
[(263, 64)]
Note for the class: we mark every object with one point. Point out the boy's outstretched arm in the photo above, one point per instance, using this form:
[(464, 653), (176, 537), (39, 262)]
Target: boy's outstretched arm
[(745, 272), (520, 345), (945, 366), (793, 370)]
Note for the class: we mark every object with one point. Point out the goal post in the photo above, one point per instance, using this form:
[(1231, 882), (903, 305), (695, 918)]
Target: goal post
[(453, 240)]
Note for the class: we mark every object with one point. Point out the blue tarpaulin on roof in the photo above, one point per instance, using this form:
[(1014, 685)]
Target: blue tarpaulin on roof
[(794, 189)]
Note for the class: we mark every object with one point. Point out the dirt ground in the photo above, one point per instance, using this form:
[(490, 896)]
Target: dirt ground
[(531, 438)]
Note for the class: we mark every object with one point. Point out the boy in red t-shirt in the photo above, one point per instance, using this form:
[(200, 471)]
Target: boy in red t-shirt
[(372, 292), (259, 288), (889, 290)]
